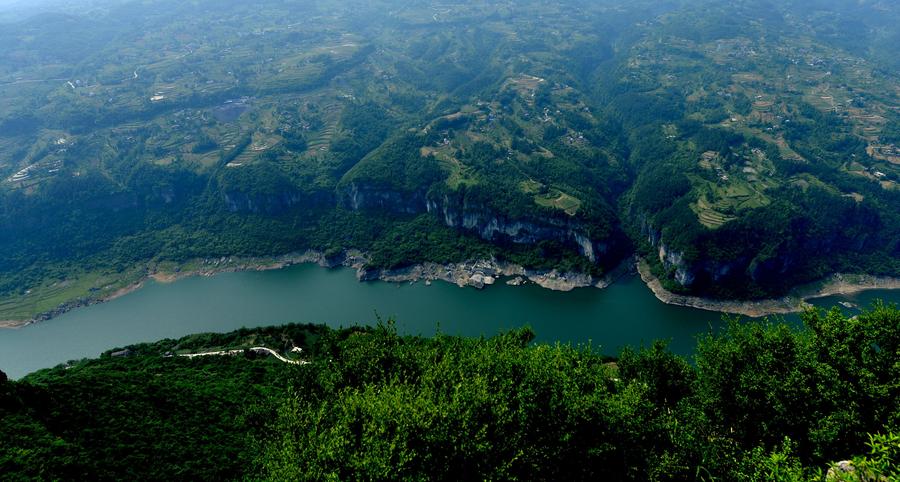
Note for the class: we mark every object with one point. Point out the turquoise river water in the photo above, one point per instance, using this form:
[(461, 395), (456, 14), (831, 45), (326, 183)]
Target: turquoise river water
[(625, 313)]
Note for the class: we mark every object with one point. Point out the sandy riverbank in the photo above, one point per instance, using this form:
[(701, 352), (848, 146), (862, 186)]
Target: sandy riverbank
[(232, 265)]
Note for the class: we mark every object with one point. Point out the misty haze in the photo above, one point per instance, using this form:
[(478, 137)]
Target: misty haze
[(304, 240)]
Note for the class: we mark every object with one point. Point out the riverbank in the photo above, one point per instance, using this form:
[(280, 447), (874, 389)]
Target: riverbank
[(165, 274), (795, 301), (474, 273), (72, 304), (477, 274), (481, 274)]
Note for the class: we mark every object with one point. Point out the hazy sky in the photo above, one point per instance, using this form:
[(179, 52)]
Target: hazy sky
[(29, 7), (20, 3), (5, 4)]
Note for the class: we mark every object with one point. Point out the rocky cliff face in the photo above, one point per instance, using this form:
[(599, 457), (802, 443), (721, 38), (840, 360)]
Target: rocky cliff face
[(672, 260), (477, 219), (357, 196), (689, 273), (491, 226), (684, 274), (275, 202)]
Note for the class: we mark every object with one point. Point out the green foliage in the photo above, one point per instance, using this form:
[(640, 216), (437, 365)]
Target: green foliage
[(762, 401), (366, 127), (148, 416), (456, 408), (761, 404), (611, 108), (424, 239), (397, 166), (881, 463)]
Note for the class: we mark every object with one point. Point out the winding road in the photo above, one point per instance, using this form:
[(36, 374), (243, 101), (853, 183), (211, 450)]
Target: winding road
[(255, 349)]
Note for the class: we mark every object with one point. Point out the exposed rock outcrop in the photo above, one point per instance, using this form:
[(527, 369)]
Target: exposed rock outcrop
[(274, 202), (493, 227), (675, 260), (358, 196), (846, 471), (484, 222), (774, 268), (687, 272), (482, 273)]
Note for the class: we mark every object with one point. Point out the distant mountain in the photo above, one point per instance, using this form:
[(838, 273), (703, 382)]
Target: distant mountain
[(741, 147)]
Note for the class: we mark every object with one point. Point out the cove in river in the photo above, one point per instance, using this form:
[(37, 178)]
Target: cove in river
[(625, 313)]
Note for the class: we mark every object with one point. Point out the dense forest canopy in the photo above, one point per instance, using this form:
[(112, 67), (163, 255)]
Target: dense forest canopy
[(741, 147), (758, 401)]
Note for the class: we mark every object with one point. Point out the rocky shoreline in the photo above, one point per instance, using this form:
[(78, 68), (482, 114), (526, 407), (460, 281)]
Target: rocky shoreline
[(478, 274), (846, 284), (482, 273), (796, 301), (752, 309)]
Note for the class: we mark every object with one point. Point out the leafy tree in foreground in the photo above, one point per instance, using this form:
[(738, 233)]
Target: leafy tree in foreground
[(761, 401)]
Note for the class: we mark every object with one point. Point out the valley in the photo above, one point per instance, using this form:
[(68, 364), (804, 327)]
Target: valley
[(652, 240), (550, 142)]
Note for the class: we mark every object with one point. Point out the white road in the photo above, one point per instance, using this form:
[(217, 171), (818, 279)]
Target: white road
[(255, 349)]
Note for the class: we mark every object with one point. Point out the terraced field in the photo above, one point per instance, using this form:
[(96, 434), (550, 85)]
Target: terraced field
[(525, 86), (319, 141), (557, 199), (717, 204), (708, 214), (259, 144)]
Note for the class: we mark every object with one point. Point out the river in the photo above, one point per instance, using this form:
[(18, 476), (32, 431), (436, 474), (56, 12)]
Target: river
[(625, 313)]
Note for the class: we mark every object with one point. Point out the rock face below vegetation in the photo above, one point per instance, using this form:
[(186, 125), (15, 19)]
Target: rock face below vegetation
[(484, 222), (482, 273), (492, 227), (274, 202)]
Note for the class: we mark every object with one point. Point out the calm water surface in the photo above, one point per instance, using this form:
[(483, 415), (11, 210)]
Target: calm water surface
[(626, 313)]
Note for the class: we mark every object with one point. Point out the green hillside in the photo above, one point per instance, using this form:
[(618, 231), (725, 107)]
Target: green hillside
[(758, 401), (756, 141)]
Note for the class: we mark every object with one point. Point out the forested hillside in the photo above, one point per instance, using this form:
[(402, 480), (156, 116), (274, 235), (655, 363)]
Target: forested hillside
[(758, 401), (741, 147)]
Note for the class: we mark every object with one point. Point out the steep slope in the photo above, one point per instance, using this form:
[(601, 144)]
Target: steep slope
[(742, 147)]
